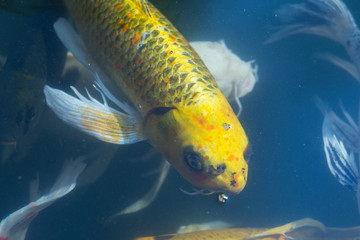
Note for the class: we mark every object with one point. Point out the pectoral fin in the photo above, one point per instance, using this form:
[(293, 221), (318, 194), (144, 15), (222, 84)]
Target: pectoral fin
[(94, 118)]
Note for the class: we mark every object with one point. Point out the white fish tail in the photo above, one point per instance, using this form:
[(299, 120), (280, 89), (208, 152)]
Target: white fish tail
[(326, 18), (340, 162), (14, 227)]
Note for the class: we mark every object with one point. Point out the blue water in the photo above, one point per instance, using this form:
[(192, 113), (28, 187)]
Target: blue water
[(288, 176)]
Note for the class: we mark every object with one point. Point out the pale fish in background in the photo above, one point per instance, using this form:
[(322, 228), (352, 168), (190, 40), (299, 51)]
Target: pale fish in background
[(235, 77), (303, 229), (326, 18), (204, 226), (342, 147), (14, 226)]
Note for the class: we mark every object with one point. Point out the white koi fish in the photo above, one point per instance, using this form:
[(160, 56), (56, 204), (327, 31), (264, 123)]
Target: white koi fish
[(235, 77)]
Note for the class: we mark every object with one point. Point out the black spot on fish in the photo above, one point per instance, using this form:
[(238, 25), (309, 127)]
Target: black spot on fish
[(233, 183)]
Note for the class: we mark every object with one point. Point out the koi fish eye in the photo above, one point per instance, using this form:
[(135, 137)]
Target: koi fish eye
[(193, 159)]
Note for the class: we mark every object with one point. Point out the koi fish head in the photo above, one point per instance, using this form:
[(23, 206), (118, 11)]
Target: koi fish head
[(204, 142)]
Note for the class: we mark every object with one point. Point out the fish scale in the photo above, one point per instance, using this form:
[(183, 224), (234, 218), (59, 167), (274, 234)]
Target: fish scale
[(143, 53)]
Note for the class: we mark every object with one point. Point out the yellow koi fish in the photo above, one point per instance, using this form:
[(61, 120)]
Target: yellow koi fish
[(165, 92), (303, 229)]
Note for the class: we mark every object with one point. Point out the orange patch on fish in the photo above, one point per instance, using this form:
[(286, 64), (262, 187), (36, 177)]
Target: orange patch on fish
[(124, 28), (201, 121), (136, 39), (210, 127), (231, 158), (172, 38), (119, 6), (130, 15)]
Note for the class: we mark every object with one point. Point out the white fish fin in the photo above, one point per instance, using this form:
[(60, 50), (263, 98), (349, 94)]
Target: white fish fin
[(289, 230), (150, 196), (327, 18), (94, 118), (348, 133), (121, 104), (341, 63), (237, 101), (349, 118), (340, 162), (73, 42), (14, 227)]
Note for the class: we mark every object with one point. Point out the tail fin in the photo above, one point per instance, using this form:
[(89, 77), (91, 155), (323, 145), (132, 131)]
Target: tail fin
[(16, 224), (341, 163), (326, 18)]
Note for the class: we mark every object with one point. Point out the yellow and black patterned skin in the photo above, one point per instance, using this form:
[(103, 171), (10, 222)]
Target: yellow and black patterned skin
[(185, 115)]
